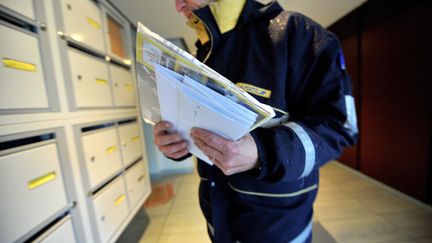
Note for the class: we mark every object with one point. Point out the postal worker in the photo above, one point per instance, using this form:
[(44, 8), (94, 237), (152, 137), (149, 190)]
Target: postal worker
[(262, 187)]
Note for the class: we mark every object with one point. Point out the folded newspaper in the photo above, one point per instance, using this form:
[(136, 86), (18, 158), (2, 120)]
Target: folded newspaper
[(164, 72)]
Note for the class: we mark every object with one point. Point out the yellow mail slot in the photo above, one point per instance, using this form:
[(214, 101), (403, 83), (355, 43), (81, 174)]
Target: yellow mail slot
[(119, 200), (93, 23), (19, 65), (41, 180), (111, 149), (101, 81), (135, 139), (141, 177)]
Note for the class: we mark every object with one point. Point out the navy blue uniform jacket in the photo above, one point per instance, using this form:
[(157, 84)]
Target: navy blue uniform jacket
[(302, 65)]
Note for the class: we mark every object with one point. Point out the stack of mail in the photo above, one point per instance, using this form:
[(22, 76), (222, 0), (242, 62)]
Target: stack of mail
[(174, 86), (187, 103), (152, 48)]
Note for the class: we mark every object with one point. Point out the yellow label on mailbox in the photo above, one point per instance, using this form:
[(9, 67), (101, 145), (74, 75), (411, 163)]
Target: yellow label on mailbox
[(41, 180), (101, 81), (20, 65), (128, 87), (119, 200), (135, 139), (111, 149), (93, 23)]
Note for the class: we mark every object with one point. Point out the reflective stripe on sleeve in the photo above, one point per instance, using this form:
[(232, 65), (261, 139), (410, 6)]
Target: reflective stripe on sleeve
[(211, 229), (307, 144), (304, 234), (351, 121)]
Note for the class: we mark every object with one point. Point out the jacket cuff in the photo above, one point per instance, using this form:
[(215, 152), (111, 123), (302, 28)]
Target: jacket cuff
[(263, 166)]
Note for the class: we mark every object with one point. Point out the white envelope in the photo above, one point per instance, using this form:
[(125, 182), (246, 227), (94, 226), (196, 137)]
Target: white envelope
[(193, 113), (187, 104), (222, 103)]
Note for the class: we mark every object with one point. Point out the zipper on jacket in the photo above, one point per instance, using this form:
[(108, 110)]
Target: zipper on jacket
[(211, 38)]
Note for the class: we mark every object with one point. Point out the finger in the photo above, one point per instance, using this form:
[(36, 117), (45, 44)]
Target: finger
[(209, 138), (208, 150), (173, 148), (167, 139), (161, 127), (178, 154)]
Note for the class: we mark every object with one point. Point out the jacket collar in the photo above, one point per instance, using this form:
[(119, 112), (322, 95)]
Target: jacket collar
[(252, 10), (226, 13), (205, 15)]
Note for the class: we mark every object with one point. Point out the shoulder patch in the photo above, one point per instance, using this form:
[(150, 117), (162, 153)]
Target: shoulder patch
[(254, 90)]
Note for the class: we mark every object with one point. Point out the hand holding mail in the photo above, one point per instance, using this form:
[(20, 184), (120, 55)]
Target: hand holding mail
[(172, 145), (231, 157)]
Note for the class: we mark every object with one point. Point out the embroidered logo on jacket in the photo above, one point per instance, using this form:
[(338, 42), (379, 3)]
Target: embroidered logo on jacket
[(255, 90)]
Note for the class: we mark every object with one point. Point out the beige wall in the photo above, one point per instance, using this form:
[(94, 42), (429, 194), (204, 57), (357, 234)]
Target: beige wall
[(158, 15), (161, 16)]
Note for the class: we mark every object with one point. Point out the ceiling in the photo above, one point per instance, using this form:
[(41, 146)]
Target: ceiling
[(161, 16)]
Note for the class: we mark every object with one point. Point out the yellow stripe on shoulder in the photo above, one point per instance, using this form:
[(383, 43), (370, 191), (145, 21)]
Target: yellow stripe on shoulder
[(254, 90)]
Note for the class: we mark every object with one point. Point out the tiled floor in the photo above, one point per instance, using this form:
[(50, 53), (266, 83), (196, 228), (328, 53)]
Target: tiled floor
[(351, 207)]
